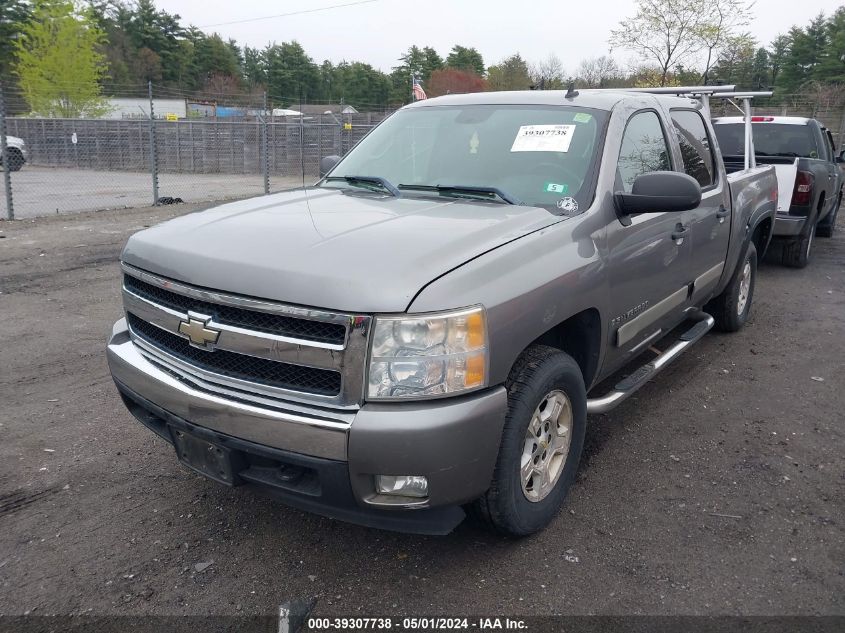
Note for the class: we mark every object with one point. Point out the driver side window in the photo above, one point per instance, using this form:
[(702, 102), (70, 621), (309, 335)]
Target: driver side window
[(644, 149)]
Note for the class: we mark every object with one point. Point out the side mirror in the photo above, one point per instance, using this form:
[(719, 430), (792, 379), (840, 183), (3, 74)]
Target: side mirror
[(327, 163), (841, 157), (659, 192)]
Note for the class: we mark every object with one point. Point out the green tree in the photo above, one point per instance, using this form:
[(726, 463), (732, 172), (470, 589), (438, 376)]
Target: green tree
[(464, 58), (291, 74), (161, 33), (212, 57), (58, 60), (509, 74), (803, 56), (14, 15), (831, 67), (736, 62), (777, 55), (254, 67)]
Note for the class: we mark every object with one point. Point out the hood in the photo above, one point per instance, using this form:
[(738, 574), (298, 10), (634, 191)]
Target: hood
[(331, 249)]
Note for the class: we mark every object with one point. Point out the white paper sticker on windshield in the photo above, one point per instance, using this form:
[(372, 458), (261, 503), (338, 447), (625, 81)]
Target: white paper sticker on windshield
[(543, 138)]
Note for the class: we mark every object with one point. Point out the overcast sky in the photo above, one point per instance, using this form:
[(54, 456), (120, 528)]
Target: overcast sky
[(378, 31)]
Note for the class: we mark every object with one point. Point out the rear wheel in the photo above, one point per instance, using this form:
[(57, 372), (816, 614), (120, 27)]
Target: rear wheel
[(731, 308), (796, 253), (541, 443)]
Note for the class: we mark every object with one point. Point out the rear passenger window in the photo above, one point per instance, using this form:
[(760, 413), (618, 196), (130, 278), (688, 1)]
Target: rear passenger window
[(644, 149), (696, 148)]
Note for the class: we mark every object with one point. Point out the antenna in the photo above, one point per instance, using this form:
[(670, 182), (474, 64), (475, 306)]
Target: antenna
[(571, 93)]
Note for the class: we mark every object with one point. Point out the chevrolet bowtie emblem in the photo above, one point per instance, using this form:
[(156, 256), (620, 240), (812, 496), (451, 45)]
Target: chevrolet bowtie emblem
[(198, 332)]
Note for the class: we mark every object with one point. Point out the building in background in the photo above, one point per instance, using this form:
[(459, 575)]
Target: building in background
[(132, 108)]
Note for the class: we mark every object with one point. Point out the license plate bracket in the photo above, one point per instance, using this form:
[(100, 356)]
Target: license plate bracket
[(207, 458)]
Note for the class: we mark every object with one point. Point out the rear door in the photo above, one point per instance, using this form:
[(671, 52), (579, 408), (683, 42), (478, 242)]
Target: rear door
[(709, 224), (649, 258)]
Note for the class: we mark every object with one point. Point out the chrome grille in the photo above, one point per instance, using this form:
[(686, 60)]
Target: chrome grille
[(261, 321), (263, 348), (266, 372)]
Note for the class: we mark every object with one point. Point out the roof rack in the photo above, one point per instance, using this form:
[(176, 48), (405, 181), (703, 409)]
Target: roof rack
[(728, 93), (704, 94), (684, 90)]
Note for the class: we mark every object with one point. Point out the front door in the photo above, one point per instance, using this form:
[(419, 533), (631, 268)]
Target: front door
[(710, 223), (649, 259)]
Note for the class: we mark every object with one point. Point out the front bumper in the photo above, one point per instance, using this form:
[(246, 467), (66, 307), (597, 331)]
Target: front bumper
[(453, 442)]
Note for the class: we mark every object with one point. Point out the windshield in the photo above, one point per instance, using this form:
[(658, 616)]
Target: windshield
[(539, 155), (770, 139)]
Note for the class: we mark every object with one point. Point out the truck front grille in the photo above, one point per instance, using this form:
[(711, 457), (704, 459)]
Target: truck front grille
[(239, 366), (256, 350), (250, 319)]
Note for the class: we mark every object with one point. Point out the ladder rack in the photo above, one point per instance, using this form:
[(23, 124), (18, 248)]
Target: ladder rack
[(704, 94)]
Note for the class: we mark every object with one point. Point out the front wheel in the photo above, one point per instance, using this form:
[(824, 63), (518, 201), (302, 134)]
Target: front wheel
[(731, 308), (14, 159), (541, 443)]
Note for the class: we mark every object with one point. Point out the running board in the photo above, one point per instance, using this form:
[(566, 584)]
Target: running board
[(641, 376)]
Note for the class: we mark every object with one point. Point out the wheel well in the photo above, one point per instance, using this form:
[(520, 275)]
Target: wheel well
[(761, 236), (580, 337)]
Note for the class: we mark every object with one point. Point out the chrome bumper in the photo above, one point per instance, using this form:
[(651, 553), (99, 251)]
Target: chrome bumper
[(293, 431), (789, 225), (453, 442)]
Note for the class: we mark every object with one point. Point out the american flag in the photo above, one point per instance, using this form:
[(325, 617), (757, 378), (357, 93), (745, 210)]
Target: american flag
[(419, 93)]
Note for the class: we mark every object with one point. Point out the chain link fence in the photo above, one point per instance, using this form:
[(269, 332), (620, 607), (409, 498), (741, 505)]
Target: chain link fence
[(156, 150), (160, 146)]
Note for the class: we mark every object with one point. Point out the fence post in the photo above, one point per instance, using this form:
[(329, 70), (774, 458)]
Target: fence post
[(153, 149), (265, 160), (7, 176)]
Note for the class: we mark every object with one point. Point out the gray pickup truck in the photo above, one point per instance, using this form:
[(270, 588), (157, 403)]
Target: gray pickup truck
[(426, 329), (809, 178)]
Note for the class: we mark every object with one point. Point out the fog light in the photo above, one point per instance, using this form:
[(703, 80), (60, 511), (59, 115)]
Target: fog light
[(402, 485)]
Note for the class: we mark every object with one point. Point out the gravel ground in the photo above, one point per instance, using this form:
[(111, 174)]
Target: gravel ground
[(40, 191), (718, 489)]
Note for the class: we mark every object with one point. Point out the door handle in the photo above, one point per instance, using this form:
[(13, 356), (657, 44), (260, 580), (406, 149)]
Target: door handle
[(722, 212), (680, 232)]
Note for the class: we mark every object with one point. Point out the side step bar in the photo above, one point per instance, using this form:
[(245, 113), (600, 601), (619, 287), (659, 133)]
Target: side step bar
[(641, 376)]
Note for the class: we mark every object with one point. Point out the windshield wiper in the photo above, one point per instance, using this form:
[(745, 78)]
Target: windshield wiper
[(488, 193), (786, 154), (382, 183)]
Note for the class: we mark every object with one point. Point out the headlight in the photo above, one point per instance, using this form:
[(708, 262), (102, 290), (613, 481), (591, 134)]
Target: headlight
[(429, 355)]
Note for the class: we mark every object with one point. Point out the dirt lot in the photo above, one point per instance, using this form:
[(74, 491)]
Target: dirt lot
[(718, 489)]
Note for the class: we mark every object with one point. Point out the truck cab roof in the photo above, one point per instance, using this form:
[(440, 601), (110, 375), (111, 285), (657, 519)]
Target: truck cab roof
[(596, 99)]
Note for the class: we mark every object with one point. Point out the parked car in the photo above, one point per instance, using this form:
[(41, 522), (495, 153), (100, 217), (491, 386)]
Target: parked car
[(809, 177), (425, 328), (16, 154)]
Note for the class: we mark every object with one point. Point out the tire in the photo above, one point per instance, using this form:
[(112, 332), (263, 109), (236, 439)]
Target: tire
[(826, 228), (796, 253), (14, 159), (541, 375), (731, 308)]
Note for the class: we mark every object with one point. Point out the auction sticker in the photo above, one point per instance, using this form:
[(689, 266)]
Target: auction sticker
[(543, 138)]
